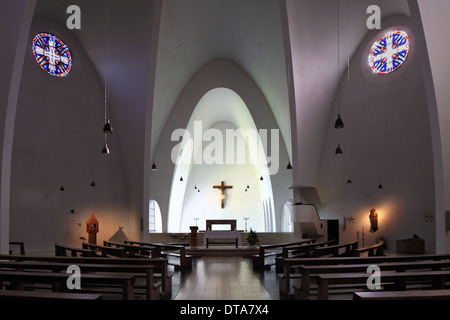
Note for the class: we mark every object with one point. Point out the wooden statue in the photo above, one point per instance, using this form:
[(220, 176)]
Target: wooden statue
[(373, 217), (92, 228)]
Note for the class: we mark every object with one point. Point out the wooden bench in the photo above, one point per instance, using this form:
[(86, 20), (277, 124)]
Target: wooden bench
[(443, 294), (134, 250), (437, 279), (106, 251), (259, 260), (160, 269), (299, 250), (334, 250), (46, 295), (303, 291), (168, 250), (65, 251), (152, 289), (17, 280), (375, 250), (292, 264)]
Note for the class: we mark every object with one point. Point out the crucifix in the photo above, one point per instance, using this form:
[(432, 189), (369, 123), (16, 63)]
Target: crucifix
[(222, 188)]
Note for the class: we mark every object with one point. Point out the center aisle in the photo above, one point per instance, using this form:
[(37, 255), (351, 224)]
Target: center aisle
[(226, 278)]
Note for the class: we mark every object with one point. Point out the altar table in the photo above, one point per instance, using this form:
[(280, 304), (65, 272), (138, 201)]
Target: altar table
[(222, 235)]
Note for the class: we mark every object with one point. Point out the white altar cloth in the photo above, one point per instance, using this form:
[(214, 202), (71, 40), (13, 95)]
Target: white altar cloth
[(222, 235)]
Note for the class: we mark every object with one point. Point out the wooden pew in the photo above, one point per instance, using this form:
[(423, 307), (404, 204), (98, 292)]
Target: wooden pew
[(349, 247), (400, 279), (297, 251), (17, 279), (65, 251), (166, 250), (375, 250), (133, 250), (160, 265), (291, 264), (307, 271), (106, 251), (46, 295), (443, 294), (152, 289), (259, 261)]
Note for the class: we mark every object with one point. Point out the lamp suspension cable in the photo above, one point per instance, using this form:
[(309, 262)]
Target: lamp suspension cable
[(339, 124), (107, 128)]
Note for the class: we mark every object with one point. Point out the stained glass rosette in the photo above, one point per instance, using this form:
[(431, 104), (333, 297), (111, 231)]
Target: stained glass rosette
[(52, 55), (389, 52)]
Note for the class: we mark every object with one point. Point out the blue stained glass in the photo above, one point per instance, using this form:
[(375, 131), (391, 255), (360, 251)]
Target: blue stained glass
[(389, 52), (52, 54)]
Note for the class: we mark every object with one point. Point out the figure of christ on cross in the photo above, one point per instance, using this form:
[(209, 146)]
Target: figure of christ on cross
[(222, 188)]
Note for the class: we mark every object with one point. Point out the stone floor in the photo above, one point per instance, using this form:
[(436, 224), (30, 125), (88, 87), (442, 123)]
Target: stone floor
[(224, 278)]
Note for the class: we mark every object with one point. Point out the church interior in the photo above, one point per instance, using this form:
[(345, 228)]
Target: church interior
[(172, 132)]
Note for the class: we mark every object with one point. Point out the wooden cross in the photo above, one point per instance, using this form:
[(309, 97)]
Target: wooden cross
[(222, 188)]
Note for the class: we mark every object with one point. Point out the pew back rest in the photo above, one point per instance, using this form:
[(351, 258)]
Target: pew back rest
[(66, 251)]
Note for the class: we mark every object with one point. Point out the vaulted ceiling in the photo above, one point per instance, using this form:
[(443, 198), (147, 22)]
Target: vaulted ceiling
[(192, 33)]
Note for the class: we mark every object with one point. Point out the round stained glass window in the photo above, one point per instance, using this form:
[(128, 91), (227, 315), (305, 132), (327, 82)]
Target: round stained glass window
[(389, 52), (52, 54)]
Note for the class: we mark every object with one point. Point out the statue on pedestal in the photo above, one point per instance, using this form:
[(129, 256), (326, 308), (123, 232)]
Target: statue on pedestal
[(92, 228)]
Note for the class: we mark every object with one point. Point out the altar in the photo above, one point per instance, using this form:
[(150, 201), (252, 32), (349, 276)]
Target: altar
[(231, 234)]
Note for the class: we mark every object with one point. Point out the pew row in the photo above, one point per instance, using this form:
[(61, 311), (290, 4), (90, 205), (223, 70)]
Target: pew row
[(47, 295), (166, 251), (375, 250), (259, 260), (291, 265), (309, 271), (335, 250), (436, 280), (135, 250), (443, 294), (66, 251), (152, 288), (160, 266), (298, 251), (18, 279), (106, 251)]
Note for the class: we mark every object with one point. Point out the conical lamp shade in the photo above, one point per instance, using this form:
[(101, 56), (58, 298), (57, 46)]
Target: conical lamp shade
[(105, 149), (339, 150), (289, 166), (154, 167), (339, 124), (107, 128)]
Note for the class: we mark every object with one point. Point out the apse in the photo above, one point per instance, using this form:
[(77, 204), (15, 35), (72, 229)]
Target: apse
[(221, 143)]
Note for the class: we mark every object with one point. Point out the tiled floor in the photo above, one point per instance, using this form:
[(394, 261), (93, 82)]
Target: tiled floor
[(223, 278)]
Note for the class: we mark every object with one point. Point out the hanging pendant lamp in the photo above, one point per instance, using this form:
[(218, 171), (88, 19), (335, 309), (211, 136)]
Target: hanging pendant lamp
[(289, 166), (338, 150), (105, 149), (154, 166), (107, 128), (339, 124), (349, 181)]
